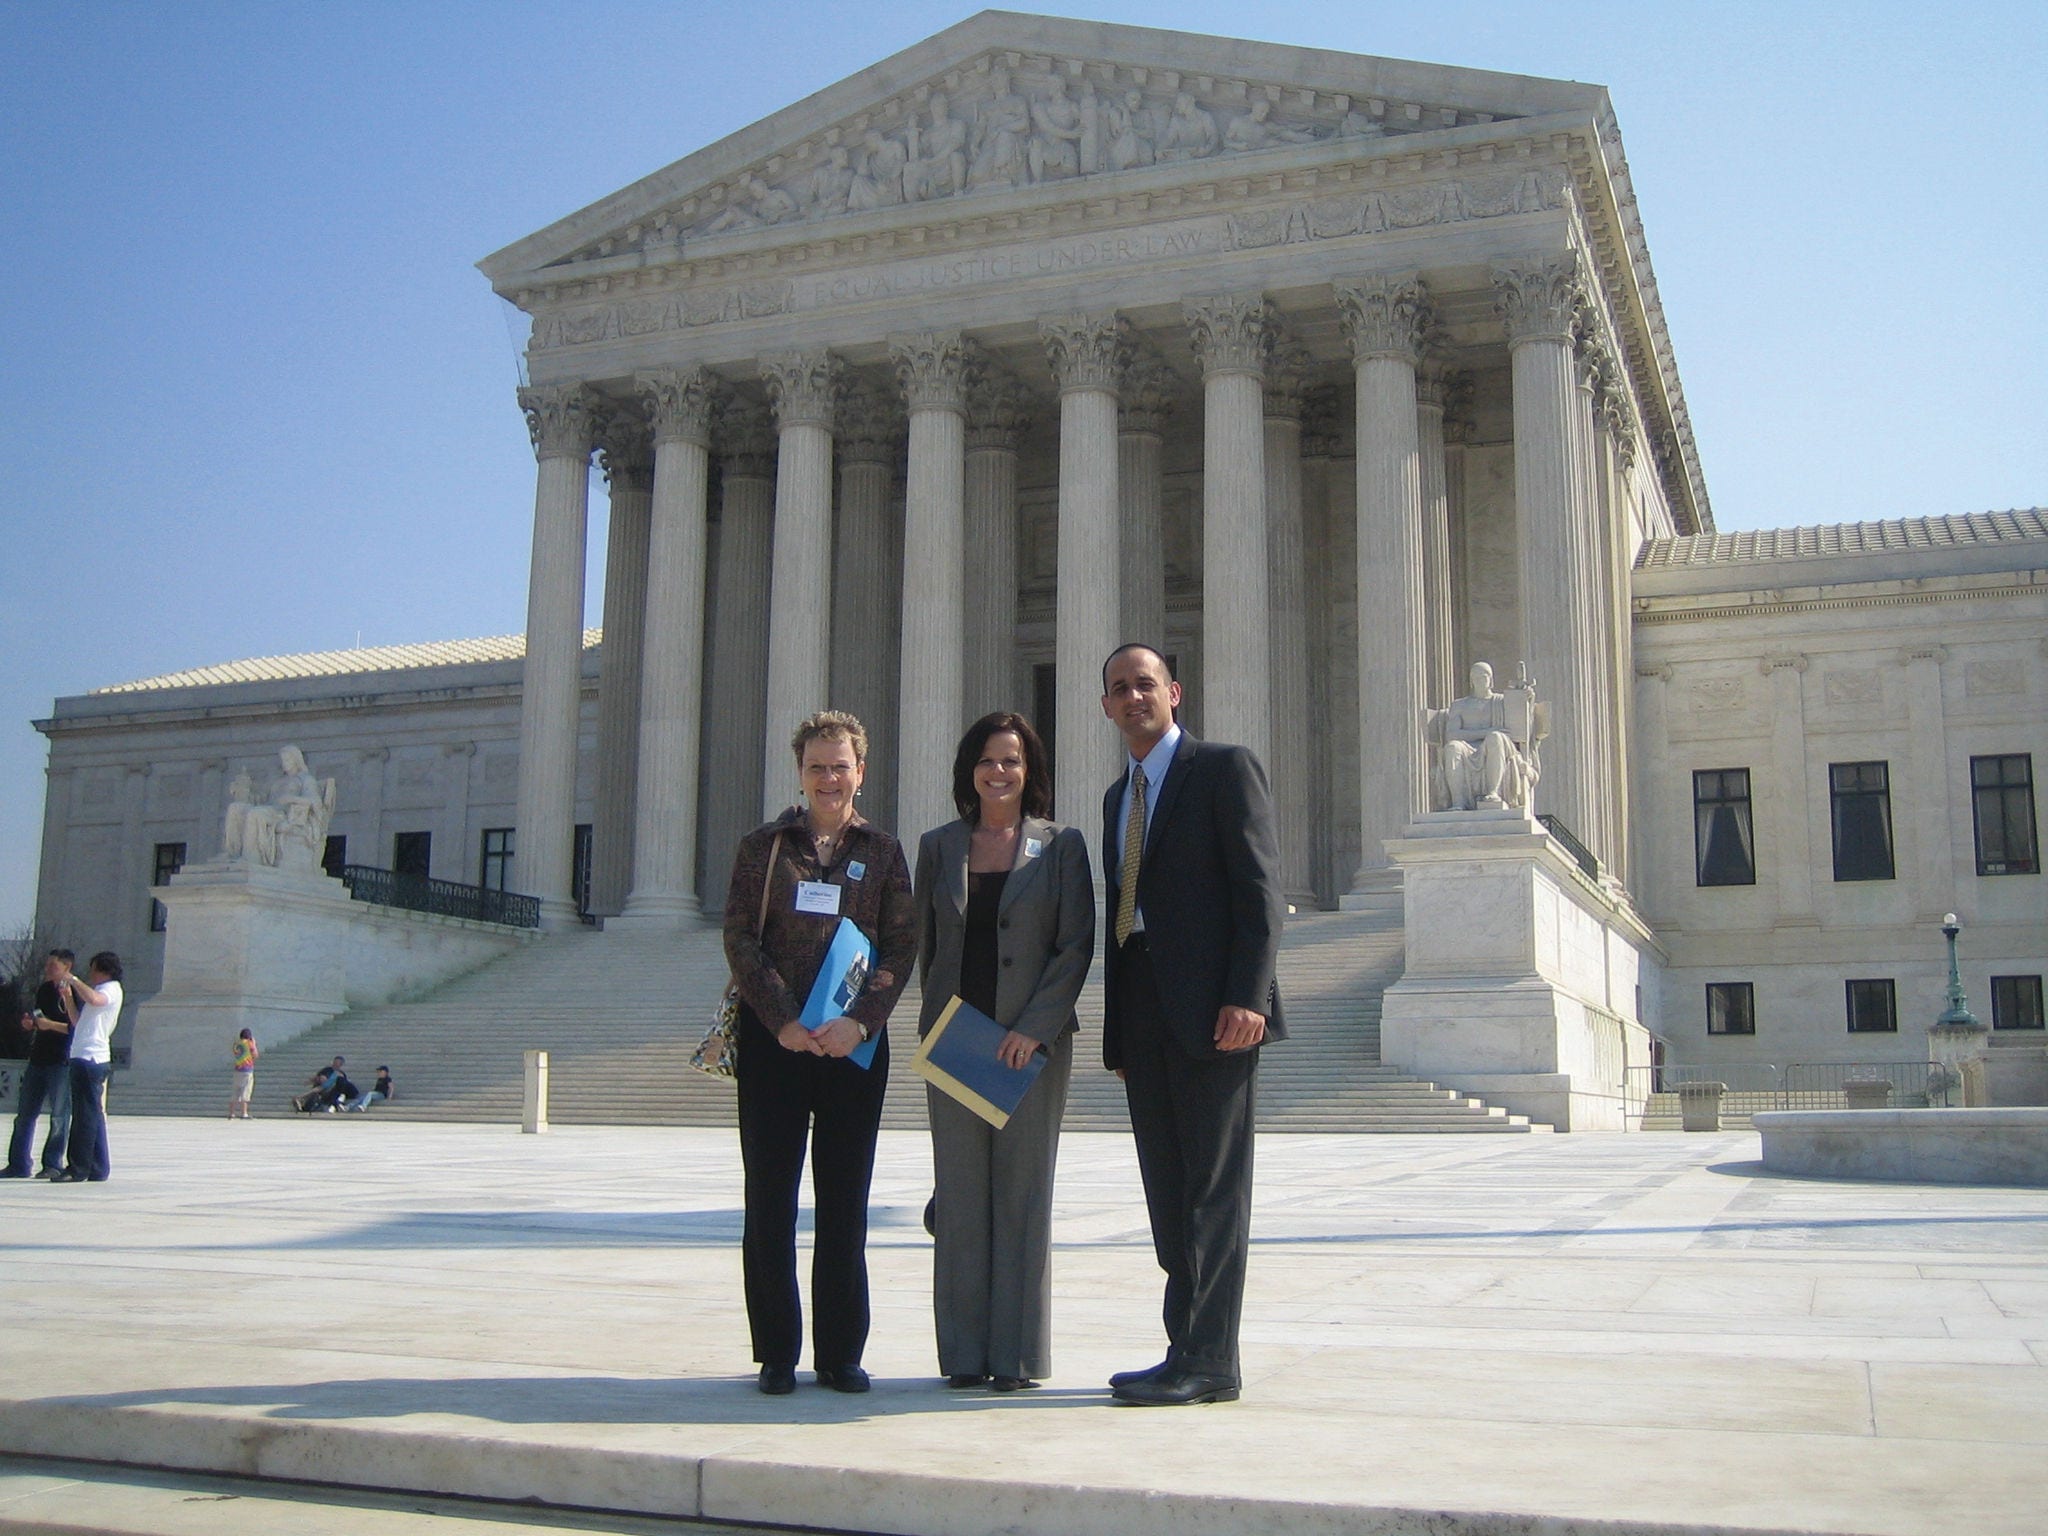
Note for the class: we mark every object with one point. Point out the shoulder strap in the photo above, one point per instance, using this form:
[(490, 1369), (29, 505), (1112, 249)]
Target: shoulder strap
[(767, 880)]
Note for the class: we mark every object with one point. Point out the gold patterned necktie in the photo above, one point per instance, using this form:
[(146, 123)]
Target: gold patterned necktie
[(1134, 852)]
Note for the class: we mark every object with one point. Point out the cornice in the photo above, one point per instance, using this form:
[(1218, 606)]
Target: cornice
[(1677, 610)]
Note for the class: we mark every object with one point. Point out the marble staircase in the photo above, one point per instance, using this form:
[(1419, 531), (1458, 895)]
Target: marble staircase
[(620, 1013)]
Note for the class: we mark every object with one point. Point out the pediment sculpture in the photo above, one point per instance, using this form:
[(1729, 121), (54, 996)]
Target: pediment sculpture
[(287, 828), (996, 127), (1486, 749)]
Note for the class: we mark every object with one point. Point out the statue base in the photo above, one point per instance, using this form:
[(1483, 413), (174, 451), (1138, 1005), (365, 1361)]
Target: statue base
[(1522, 974), (281, 951)]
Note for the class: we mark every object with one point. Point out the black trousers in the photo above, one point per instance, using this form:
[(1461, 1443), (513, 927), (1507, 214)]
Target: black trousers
[(787, 1099), (1193, 1123)]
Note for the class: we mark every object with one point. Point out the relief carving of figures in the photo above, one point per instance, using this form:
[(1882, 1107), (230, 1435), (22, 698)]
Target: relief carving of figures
[(765, 205), (287, 829), (1485, 749), (1000, 136), (829, 184), (1055, 148), (1132, 132), (1257, 130), (879, 181), (1190, 132), (1361, 125), (938, 164)]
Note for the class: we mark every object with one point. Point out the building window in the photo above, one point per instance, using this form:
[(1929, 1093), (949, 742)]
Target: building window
[(579, 872), (1862, 814), (496, 869), (1723, 844), (1873, 1007), (2015, 1002), (411, 853), (2002, 801), (1731, 1008), (334, 857), (170, 858)]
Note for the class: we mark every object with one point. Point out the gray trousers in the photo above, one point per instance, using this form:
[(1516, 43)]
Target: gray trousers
[(992, 1265)]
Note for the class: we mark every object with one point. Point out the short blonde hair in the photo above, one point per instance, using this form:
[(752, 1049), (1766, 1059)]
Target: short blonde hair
[(830, 725)]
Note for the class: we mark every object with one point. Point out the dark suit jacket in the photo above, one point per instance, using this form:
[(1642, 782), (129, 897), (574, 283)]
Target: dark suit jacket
[(1209, 886), (1045, 936)]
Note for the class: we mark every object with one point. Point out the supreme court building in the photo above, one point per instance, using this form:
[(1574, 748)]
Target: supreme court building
[(1330, 375)]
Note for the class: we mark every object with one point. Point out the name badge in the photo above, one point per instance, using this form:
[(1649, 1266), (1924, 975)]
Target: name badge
[(855, 870), (1032, 847), (817, 896)]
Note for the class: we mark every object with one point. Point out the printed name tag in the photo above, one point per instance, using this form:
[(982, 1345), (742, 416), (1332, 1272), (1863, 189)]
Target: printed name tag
[(855, 870), (817, 896)]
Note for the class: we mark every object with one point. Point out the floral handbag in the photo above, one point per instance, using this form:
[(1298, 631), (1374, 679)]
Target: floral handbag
[(713, 1056)]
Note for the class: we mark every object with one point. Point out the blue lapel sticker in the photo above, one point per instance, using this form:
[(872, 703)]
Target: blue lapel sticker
[(855, 870)]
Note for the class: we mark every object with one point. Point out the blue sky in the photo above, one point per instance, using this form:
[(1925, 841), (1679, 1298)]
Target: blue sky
[(257, 399)]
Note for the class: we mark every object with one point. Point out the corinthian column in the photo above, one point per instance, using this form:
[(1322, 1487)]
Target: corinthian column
[(1287, 619), (561, 420), (1087, 354), (997, 414), (1386, 318), (932, 370), (1441, 674), (1537, 297), (626, 454), (867, 582), (1232, 336), (737, 682), (804, 389), (1147, 401), (665, 828)]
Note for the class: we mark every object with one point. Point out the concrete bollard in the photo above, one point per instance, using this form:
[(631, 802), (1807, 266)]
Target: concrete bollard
[(1868, 1095), (1699, 1105), (533, 1115)]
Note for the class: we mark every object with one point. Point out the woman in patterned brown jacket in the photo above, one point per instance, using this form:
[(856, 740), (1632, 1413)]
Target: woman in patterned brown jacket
[(819, 862)]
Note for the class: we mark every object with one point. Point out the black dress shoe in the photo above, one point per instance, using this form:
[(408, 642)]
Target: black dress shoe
[(963, 1381), (1173, 1389), (778, 1380), (843, 1378), (1125, 1378), (1010, 1383)]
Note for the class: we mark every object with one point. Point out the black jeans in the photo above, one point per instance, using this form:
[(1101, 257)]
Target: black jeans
[(785, 1099)]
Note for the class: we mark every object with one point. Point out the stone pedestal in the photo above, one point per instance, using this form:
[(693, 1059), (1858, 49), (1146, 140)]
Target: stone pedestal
[(1699, 1106), (1867, 1095), (279, 952), (1522, 974)]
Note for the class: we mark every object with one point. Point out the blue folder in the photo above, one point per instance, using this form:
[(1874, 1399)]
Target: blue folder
[(959, 1059), (842, 977)]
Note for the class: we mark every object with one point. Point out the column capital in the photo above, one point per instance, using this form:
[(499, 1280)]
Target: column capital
[(804, 387), (1322, 418), (625, 448), (1287, 383), (1146, 399), (1230, 332), (1086, 351), (680, 403), (870, 425), (746, 438), (1385, 314), (998, 406), (1537, 296), (932, 369), (560, 418)]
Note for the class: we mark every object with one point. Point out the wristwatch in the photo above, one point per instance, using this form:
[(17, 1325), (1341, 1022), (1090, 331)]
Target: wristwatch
[(865, 1036)]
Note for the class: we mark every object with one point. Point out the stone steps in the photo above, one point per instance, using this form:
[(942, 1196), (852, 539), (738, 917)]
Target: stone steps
[(619, 1015)]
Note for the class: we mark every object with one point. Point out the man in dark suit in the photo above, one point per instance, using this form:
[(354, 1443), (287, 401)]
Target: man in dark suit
[(1192, 859)]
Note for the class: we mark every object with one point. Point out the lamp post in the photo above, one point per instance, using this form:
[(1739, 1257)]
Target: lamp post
[(1956, 1039)]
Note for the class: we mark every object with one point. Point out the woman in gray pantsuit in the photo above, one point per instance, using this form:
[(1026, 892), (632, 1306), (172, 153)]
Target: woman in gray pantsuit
[(1006, 920)]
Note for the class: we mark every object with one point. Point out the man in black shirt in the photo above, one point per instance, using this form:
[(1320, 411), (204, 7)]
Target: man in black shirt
[(47, 1080)]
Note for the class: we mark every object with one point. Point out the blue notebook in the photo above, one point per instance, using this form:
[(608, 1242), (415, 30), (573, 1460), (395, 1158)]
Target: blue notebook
[(842, 977), (959, 1059)]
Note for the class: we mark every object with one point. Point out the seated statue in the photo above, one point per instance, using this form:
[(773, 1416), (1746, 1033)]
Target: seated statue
[(1484, 748), (286, 830)]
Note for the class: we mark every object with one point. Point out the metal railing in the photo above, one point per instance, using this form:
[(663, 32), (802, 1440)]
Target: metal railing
[(1803, 1084), (1583, 856), (442, 898)]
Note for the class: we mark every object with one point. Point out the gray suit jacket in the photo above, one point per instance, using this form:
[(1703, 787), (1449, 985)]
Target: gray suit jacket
[(1045, 937)]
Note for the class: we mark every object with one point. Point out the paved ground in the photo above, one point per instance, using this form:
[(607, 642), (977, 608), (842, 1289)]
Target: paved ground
[(1444, 1334)]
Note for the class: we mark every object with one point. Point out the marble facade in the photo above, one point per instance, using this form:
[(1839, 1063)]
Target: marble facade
[(1329, 375)]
